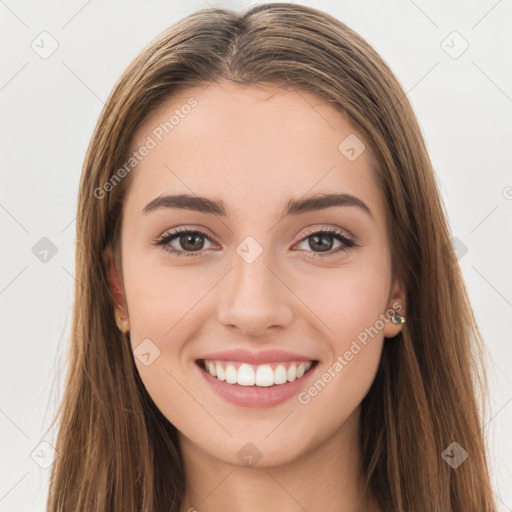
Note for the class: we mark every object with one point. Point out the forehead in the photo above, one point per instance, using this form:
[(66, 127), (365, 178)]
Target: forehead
[(251, 146)]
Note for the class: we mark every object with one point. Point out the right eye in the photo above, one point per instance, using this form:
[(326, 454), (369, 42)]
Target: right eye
[(187, 238)]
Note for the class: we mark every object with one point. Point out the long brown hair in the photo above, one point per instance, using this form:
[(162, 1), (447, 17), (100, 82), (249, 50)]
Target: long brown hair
[(115, 449)]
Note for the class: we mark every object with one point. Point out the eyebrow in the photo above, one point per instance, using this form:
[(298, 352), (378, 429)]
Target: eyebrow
[(292, 207)]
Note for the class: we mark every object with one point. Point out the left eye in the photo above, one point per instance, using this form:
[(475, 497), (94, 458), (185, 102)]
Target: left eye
[(191, 241), (321, 238)]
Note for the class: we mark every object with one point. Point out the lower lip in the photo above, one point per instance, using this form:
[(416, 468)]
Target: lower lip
[(255, 396)]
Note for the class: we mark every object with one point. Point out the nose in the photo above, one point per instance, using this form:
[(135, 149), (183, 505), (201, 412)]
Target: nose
[(254, 298)]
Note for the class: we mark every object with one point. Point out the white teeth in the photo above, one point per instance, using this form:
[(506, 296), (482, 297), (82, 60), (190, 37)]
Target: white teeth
[(260, 375), (280, 374), (246, 375), (291, 374), (221, 374), (264, 376), (231, 374)]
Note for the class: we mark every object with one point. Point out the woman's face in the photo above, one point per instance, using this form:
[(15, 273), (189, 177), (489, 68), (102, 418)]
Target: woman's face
[(257, 291)]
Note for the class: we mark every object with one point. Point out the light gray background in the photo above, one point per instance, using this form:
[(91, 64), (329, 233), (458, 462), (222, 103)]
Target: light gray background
[(50, 107)]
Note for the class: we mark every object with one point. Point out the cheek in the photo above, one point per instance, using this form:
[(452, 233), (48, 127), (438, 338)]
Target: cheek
[(348, 300), (161, 298), (338, 390), (350, 303), (163, 306)]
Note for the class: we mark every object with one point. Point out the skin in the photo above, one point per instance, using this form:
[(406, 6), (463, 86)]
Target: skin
[(254, 147)]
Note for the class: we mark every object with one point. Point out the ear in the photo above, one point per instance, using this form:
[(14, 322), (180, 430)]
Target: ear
[(116, 289), (396, 303)]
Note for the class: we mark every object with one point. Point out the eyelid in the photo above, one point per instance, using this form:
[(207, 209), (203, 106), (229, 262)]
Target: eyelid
[(186, 229), (329, 229), (173, 233)]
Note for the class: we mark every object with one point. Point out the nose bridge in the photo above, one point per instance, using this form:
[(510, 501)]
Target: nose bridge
[(253, 298)]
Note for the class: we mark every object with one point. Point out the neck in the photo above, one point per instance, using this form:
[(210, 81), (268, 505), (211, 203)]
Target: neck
[(326, 478)]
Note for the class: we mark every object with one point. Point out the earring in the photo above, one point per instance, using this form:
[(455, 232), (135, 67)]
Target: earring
[(398, 319), (122, 322)]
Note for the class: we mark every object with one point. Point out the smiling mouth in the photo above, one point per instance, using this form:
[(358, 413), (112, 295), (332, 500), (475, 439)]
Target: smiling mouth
[(261, 375)]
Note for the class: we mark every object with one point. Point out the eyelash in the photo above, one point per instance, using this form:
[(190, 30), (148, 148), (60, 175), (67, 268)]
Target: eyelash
[(165, 240)]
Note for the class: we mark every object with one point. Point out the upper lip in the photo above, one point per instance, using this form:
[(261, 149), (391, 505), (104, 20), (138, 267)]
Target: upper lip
[(264, 356)]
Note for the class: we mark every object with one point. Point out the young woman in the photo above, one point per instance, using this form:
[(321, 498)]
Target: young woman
[(269, 314)]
